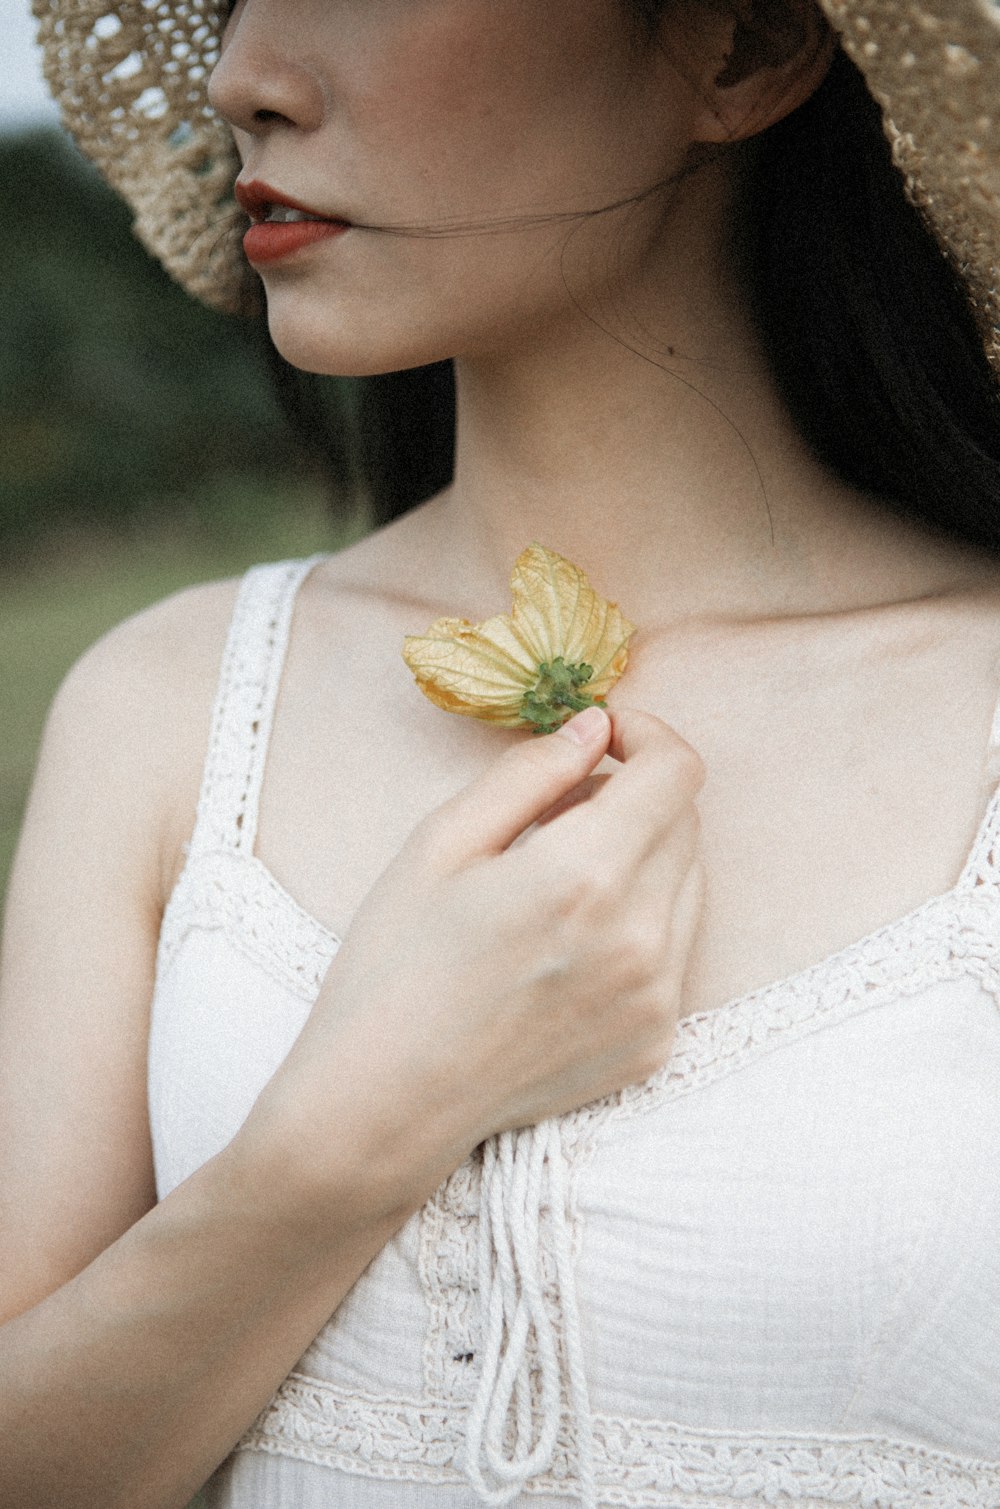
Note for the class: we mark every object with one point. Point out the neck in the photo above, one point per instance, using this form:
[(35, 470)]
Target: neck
[(648, 443)]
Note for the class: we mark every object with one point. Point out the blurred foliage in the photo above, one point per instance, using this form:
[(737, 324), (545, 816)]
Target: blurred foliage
[(121, 397)]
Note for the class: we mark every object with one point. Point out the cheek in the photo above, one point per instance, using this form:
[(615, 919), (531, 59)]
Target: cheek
[(499, 94)]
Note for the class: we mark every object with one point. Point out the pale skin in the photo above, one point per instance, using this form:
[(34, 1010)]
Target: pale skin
[(803, 675)]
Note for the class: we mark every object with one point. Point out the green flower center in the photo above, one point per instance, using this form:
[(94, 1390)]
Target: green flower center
[(556, 695)]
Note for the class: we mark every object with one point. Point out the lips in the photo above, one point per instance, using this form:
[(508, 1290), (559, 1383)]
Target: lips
[(266, 205), (281, 225)]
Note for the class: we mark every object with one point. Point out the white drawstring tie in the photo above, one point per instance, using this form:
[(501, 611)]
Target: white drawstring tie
[(521, 1172)]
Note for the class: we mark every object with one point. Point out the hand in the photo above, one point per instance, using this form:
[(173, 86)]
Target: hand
[(485, 985)]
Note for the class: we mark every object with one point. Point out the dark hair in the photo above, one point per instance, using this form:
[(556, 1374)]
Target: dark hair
[(874, 346), (866, 325)]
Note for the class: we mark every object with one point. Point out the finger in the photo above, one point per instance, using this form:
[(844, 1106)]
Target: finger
[(688, 907), (654, 886), (686, 919), (517, 789), (583, 791), (661, 876), (659, 777), (635, 732)]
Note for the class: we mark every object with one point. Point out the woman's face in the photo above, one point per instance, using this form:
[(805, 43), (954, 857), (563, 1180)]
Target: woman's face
[(437, 114)]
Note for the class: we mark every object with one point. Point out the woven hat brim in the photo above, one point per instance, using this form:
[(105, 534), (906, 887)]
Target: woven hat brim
[(131, 81), (935, 70)]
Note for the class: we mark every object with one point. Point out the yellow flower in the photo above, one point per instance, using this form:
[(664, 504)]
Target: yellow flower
[(560, 649)]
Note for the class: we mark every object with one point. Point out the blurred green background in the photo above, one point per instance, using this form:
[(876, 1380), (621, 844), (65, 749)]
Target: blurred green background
[(143, 444)]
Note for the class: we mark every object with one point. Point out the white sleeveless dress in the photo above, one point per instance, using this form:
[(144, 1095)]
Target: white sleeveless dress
[(770, 1275)]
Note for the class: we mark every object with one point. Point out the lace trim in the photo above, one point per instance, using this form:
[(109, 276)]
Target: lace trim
[(983, 865), (252, 662), (637, 1461), (237, 894)]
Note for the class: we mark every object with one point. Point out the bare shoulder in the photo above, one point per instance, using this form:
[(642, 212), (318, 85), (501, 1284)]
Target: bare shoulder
[(170, 648), (129, 724)]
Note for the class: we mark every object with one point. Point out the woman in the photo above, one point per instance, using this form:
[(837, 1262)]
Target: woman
[(744, 1248)]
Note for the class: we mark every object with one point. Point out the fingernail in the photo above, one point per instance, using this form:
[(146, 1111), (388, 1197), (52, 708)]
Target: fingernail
[(584, 728)]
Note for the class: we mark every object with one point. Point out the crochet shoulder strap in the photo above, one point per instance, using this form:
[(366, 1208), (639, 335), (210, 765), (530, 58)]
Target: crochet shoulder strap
[(252, 663), (993, 752)]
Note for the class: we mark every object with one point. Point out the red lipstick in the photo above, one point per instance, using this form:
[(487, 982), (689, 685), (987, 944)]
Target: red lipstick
[(281, 225), (272, 241)]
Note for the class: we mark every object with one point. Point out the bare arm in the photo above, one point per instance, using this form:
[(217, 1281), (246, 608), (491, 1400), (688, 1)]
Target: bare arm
[(130, 1383), (140, 1342)]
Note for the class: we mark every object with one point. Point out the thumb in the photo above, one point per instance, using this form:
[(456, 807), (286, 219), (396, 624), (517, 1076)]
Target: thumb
[(486, 816)]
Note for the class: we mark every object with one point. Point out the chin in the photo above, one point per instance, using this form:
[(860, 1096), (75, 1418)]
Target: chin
[(326, 336)]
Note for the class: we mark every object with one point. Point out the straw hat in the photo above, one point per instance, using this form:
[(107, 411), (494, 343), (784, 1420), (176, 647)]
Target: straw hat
[(131, 78)]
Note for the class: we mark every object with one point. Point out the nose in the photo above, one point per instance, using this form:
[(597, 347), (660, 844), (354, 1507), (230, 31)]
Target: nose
[(258, 81)]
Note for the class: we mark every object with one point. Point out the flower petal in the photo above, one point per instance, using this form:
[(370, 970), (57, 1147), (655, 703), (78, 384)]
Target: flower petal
[(558, 613), (481, 671)]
